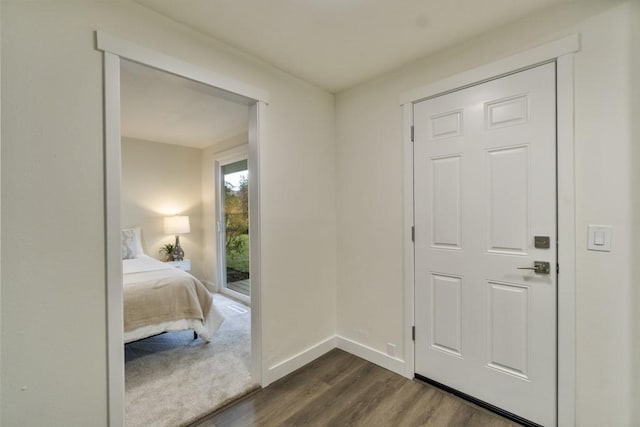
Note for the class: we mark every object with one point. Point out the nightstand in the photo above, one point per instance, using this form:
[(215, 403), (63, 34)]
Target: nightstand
[(185, 264)]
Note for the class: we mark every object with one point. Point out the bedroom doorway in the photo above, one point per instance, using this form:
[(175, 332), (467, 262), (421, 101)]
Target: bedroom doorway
[(232, 178), (174, 318), (203, 82)]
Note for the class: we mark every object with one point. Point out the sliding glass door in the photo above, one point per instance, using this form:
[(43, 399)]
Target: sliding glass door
[(234, 236)]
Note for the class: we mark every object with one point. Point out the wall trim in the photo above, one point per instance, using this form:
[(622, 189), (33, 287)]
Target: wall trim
[(310, 354), (560, 51), (230, 155), (128, 50), (372, 355), (113, 276), (257, 138), (407, 237), (509, 65), (297, 361), (567, 236)]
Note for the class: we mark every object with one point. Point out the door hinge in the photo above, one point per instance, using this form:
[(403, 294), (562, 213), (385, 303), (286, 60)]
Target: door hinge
[(557, 268), (413, 233), (411, 133), (413, 333)]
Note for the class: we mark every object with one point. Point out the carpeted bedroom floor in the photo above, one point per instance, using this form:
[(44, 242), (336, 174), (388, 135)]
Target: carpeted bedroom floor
[(173, 380)]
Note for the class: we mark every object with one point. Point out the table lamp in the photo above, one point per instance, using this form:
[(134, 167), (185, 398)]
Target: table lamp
[(177, 224)]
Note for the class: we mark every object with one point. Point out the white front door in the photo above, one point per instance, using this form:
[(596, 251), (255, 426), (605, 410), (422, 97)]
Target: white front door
[(485, 200)]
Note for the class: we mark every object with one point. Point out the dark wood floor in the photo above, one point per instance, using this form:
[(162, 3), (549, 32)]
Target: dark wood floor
[(340, 389)]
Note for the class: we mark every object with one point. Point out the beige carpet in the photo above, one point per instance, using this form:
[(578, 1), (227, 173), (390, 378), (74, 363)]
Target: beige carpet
[(172, 379)]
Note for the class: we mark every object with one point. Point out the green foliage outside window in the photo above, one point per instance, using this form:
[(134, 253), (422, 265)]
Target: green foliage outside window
[(237, 224)]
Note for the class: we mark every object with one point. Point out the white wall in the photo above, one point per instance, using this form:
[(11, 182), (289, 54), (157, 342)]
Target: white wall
[(604, 195), (160, 180), (369, 136), (53, 267), (635, 196)]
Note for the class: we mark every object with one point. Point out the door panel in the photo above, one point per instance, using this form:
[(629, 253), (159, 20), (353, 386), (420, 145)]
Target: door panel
[(508, 199), (508, 328), (447, 202), (446, 313), (484, 183)]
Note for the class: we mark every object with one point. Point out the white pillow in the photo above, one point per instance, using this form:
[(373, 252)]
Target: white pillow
[(131, 243)]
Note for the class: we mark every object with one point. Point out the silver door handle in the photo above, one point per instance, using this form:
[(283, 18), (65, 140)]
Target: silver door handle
[(539, 267)]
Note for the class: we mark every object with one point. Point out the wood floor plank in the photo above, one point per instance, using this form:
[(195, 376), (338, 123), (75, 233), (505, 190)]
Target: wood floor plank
[(344, 394), (303, 385), (371, 398), (402, 408), (339, 389)]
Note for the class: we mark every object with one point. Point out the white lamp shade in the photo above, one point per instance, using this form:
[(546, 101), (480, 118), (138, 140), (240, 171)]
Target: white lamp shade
[(178, 224)]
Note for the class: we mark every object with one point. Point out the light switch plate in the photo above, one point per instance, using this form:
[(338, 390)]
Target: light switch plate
[(599, 238)]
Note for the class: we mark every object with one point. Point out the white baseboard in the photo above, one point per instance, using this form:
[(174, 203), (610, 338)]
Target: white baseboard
[(372, 355), (211, 286), (298, 361)]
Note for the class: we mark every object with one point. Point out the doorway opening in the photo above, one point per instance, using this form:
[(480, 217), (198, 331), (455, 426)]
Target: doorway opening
[(233, 226), (174, 320), (115, 51)]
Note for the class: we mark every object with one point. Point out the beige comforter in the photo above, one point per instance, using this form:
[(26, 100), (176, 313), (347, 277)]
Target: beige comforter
[(157, 296)]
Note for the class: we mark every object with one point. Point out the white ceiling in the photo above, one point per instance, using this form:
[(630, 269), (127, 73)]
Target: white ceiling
[(339, 43), (158, 106)]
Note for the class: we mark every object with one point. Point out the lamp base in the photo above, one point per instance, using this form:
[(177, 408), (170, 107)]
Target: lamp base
[(178, 253)]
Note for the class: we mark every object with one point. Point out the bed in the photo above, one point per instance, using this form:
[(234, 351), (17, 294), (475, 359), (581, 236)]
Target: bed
[(160, 298)]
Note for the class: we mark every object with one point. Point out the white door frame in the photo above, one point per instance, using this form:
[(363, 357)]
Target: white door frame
[(114, 49), (560, 51), (221, 159)]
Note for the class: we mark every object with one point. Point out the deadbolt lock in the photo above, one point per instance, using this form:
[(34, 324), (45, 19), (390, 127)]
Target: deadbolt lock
[(541, 242)]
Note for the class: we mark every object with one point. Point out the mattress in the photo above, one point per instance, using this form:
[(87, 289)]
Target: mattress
[(161, 298)]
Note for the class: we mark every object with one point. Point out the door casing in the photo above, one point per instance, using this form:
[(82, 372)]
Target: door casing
[(561, 51)]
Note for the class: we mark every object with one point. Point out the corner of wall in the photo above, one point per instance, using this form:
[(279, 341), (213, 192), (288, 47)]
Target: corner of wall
[(372, 355), (355, 348), (298, 360)]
